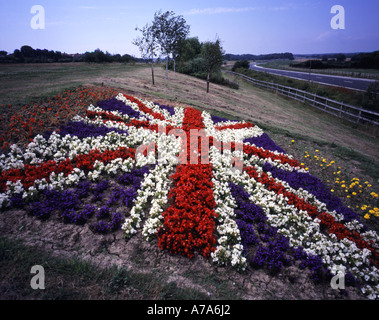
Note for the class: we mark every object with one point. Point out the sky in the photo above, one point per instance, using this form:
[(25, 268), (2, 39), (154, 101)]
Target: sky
[(243, 26)]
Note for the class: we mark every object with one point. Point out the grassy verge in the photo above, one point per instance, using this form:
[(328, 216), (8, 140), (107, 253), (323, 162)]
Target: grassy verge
[(348, 96), (348, 72), (75, 279)]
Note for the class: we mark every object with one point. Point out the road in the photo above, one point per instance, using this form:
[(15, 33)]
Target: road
[(346, 82)]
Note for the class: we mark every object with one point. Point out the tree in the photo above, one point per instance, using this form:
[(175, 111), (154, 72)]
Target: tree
[(189, 49), (212, 54), (148, 45), (340, 57), (373, 90), (169, 30), (241, 64)]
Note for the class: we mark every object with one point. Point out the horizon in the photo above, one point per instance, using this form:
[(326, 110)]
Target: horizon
[(245, 27)]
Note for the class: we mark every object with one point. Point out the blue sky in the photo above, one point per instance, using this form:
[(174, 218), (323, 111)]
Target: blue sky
[(244, 26)]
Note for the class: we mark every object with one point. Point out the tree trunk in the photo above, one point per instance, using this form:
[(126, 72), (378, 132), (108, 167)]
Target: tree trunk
[(174, 66), (208, 83), (152, 71), (167, 67)]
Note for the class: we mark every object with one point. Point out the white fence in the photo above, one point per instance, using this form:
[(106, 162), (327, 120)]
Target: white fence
[(353, 114)]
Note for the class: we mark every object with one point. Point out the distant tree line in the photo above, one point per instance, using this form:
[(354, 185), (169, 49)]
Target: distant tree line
[(99, 56), (358, 61), (271, 56), (27, 54)]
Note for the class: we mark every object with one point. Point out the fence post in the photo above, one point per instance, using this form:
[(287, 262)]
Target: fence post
[(359, 116)]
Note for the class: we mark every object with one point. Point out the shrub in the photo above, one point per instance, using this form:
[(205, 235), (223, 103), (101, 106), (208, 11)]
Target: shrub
[(241, 64)]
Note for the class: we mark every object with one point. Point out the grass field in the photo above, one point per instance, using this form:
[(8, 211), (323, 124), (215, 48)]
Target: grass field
[(333, 150)]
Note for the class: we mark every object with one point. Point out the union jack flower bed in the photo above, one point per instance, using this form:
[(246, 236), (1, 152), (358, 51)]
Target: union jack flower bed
[(198, 183)]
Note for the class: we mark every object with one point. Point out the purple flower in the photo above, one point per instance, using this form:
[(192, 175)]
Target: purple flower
[(264, 141), (98, 189), (17, 200), (40, 209), (116, 105), (171, 110), (217, 119), (83, 130), (103, 226), (314, 186), (272, 250)]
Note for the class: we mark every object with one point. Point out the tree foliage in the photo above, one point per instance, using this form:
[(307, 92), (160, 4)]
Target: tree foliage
[(241, 64), (169, 31), (212, 54), (148, 46)]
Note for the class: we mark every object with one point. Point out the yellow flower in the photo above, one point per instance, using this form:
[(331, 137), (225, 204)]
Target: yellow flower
[(317, 151), (293, 141), (367, 216), (354, 193), (332, 190)]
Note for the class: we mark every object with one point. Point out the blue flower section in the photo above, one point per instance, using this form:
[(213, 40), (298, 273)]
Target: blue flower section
[(264, 141), (217, 119), (83, 130), (314, 186), (264, 246), (171, 110), (116, 105), (68, 204)]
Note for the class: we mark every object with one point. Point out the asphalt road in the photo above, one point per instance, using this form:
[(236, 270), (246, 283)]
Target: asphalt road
[(346, 82)]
